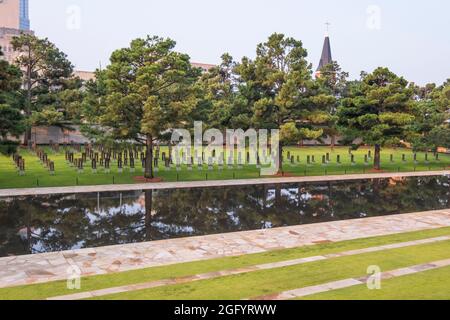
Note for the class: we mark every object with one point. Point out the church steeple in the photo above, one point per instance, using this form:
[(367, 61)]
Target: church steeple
[(326, 57)]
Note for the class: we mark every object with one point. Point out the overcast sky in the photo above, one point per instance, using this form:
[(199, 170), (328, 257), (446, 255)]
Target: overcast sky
[(412, 37)]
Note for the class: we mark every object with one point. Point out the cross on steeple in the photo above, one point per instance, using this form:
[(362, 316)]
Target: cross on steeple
[(327, 24)]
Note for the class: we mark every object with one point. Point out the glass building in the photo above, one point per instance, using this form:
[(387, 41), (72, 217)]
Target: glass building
[(24, 18)]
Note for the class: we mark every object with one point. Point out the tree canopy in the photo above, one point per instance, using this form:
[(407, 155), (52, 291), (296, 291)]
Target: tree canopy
[(149, 89), (11, 119), (47, 74), (277, 85), (379, 111)]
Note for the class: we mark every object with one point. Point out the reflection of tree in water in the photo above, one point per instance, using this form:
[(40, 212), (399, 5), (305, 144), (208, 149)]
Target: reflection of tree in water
[(390, 196), (61, 222), (11, 222), (36, 224)]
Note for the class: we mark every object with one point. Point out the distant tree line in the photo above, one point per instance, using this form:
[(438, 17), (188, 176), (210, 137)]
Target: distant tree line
[(149, 88)]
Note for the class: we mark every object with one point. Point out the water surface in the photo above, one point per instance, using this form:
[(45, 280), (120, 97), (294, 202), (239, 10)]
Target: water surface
[(39, 224)]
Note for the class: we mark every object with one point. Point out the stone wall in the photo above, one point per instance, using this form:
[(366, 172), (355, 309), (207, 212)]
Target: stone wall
[(43, 135)]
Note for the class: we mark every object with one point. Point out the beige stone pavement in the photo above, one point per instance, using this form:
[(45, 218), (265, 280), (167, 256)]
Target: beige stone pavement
[(19, 270), (215, 183)]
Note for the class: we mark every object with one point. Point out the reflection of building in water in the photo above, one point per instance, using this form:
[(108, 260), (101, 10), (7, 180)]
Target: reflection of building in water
[(319, 197), (396, 180)]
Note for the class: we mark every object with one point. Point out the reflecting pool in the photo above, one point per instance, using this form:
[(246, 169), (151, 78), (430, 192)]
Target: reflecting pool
[(39, 224)]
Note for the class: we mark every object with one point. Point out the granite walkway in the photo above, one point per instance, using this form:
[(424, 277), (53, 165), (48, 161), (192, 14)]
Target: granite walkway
[(224, 273), (207, 184), (347, 283), (20, 270)]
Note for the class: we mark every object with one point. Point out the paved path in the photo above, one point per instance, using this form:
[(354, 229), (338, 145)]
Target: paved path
[(347, 283), (216, 183), (224, 273), (53, 266)]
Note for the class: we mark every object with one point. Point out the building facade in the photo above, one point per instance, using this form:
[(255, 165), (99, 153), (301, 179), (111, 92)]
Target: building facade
[(89, 75), (14, 20), (6, 36), (204, 66), (14, 14)]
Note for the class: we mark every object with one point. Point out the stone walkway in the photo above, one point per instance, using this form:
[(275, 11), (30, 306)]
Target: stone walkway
[(207, 184), (347, 283), (224, 273), (19, 270)]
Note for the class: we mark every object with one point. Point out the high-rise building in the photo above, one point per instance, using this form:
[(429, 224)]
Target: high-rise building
[(14, 14), (14, 20), (24, 17)]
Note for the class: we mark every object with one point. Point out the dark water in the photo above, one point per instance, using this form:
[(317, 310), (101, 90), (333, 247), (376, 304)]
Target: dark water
[(62, 222)]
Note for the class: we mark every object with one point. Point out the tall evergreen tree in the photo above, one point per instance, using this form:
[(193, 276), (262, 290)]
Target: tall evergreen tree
[(219, 94), (278, 85), (432, 111), (11, 119), (379, 111), (46, 73), (332, 87), (149, 89)]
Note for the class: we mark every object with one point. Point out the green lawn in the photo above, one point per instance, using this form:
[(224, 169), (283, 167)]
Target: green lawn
[(258, 283), (428, 285), (38, 176), (255, 283)]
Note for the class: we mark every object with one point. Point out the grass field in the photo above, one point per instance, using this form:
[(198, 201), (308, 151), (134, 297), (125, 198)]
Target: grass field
[(257, 283), (428, 285), (36, 175)]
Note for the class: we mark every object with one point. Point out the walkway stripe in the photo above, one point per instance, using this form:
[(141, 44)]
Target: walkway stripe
[(219, 274), (213, 183), (347, 283)]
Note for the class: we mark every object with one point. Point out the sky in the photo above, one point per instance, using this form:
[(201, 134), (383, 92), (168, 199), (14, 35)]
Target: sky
[(411, 37)]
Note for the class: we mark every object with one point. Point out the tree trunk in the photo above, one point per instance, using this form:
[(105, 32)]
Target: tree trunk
[(27, 135), (29, 234), (333, 142), (299, 195), (148, 215), (265, 197), (377, 157), (149, 158), (280, 159), (277, 194)]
